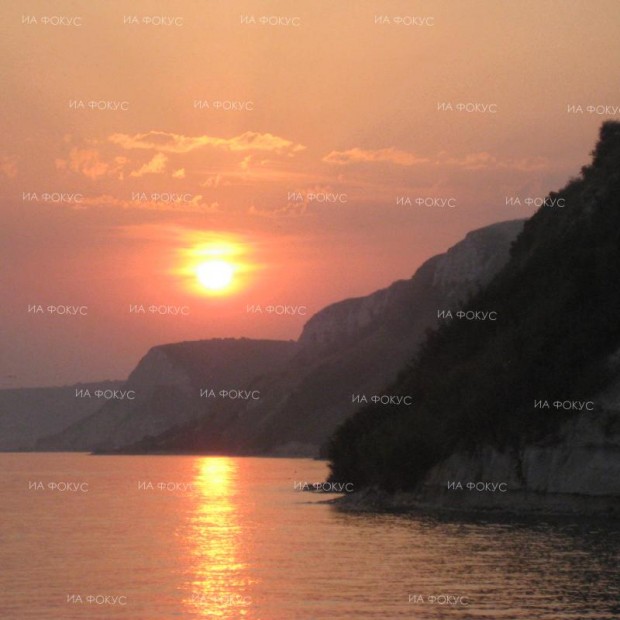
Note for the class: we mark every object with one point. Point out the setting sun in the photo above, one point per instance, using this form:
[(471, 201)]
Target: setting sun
[(214, 264), (215, 275)]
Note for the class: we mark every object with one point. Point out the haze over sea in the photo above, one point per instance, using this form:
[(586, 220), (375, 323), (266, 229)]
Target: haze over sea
[(216, 537)]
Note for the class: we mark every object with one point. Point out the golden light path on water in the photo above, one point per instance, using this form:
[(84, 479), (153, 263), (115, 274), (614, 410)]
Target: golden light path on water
[(218, 570), (242, 543)]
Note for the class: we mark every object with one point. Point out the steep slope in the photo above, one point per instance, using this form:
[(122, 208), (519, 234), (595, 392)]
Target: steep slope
[(167, 384), (351, 348), (480, 386)]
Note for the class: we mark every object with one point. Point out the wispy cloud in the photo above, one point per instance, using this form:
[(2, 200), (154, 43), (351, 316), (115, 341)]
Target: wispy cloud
[(471, 161), (89, 163), (212, 181), (283, 210), (165, 142), (391, 155), (155, 166), (486, 161), (184, 203), (302, 201)]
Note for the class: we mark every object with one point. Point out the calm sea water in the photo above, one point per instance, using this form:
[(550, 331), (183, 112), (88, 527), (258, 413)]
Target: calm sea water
[(230, 538)]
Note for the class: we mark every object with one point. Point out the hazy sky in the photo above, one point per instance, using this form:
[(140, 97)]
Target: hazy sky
[(172, 129)]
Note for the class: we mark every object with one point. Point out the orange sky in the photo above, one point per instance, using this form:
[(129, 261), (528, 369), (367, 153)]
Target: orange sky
[(340, 99)]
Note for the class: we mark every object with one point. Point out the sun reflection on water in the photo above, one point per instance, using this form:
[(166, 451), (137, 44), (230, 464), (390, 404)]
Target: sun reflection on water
[(218, 573)]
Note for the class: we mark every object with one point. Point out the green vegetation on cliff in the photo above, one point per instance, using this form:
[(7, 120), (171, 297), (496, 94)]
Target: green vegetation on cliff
[(475, 382)]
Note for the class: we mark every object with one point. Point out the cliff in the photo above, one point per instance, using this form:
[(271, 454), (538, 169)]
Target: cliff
[(303, 391), (166, 390), (447, 279), (350, 349), (529, 400)]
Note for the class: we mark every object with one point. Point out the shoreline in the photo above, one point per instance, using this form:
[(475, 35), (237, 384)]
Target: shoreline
[(514, 504)]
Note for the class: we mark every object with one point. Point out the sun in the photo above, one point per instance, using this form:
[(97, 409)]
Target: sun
[(212, 264), (215, 275)]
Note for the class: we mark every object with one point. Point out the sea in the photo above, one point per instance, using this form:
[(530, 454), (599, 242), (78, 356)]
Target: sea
[(165, 537)]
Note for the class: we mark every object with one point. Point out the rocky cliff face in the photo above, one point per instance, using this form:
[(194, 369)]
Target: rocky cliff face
[(480, 416), (351, 348), (450, 278), (578, 473), (471, 264), (585, 461), (166, 387)]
